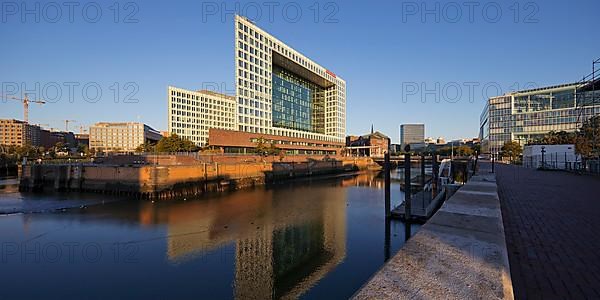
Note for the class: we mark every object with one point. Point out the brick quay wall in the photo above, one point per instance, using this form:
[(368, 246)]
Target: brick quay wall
[(172, 178)]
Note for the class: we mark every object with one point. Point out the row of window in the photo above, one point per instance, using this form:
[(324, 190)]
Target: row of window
[(202, 102), (253, 65)]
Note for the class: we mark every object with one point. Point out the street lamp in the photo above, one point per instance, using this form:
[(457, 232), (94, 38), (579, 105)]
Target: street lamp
[(494, 157)]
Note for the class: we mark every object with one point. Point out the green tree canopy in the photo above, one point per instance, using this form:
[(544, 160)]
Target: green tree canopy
[(266, 148), (587, 142), (17, 152), (174, 143), (61, 147), (145, 147), (557, 138), (462, 150), (83, 148), (512, 149)]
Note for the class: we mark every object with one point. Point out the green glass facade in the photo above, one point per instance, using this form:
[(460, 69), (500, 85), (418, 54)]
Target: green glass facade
[(545, 100), (297, 103), (291, 105)]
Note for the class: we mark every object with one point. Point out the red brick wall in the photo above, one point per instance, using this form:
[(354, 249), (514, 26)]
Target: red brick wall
[(224, 138)]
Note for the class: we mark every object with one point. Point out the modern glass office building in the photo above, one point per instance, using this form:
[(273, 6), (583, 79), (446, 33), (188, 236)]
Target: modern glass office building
[(527, 115), (281, 96), (281, 92)]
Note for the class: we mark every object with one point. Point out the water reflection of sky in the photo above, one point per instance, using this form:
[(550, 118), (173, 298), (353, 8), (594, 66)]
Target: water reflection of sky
[(302, 239)]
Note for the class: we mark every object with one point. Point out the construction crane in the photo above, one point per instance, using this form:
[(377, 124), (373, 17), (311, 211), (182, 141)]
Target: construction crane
[(82, 129), (67, 124), (25, 105)]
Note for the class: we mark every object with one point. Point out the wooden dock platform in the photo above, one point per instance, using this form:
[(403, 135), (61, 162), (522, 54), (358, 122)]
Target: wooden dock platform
[(423, 206)]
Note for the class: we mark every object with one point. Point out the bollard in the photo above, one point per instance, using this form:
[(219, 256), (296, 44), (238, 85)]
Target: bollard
[(386, 168), (407, 231), (407, 187)]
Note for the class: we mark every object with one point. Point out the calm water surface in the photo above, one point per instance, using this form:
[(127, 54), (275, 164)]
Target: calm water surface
[(312, 239)]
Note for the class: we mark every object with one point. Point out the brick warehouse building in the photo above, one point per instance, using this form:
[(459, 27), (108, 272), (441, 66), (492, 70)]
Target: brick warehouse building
[(374, 144), (244, 142)]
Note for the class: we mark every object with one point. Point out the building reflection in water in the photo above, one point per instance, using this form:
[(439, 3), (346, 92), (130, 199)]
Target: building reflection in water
[(286, 240), (277, 242)]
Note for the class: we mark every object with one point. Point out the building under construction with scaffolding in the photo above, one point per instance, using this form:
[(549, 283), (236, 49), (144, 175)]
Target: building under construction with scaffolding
[(528, 115)]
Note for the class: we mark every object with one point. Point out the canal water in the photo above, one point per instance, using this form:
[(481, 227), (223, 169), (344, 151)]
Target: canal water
[(305, 239)]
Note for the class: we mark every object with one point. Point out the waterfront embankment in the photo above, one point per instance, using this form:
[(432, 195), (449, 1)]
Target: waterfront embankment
[(170, 177), (460, 253)]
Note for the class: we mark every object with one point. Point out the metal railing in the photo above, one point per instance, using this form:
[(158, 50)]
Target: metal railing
[(563, 161)]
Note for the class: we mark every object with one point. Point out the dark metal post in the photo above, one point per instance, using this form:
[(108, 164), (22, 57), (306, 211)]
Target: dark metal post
[(493, 163), (407, 187), (387, 241), (423, 181), (386, 170), (435, 169), (543, 157), (476, 161), (423, 171)]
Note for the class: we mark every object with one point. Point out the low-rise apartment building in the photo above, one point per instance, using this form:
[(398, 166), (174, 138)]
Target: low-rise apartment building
[(121, 136), (19, 133)]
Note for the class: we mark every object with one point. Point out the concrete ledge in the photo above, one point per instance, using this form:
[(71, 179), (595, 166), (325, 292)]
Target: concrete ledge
[(460, 253)]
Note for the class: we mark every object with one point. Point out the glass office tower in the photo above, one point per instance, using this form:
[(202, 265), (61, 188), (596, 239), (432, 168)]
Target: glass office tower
[(282, 92), (281, 96)]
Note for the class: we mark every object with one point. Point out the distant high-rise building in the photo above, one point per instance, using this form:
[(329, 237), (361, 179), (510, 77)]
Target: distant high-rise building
[(413, 135), (121, 137)]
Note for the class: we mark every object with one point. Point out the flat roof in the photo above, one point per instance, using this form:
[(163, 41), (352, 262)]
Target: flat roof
[(205, 92), (552, 87)]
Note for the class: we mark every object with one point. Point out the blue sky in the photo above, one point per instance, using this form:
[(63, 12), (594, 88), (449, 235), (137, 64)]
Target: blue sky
[(390, 53)]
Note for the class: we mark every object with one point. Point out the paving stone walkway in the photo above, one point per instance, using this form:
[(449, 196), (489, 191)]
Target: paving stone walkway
[(552, 226)]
